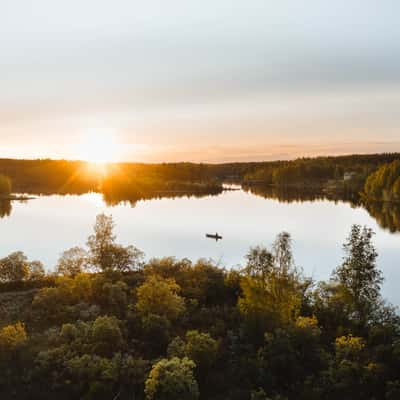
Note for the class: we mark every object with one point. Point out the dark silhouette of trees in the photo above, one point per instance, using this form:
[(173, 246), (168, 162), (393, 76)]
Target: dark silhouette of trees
[(5, 208), (5, 185)]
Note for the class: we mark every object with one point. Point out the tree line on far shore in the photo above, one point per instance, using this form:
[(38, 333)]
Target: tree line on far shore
[(5, 186), (130, 181), (384, 184)]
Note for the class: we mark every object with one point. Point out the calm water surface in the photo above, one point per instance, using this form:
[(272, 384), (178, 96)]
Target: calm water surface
[(46, 226)]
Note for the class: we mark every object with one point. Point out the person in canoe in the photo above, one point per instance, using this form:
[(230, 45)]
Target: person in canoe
[(215, 236)]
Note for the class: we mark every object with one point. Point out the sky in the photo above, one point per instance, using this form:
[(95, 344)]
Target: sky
[(188, 80)]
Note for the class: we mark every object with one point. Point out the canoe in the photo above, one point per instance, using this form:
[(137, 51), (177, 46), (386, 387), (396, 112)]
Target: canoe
[(213, 236)]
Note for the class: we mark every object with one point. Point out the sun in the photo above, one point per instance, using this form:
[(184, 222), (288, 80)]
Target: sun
[(98, 146)]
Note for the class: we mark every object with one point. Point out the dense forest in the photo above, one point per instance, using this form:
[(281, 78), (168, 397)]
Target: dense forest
[(345, 173), (133, 181), (105, 324), (384, 184)]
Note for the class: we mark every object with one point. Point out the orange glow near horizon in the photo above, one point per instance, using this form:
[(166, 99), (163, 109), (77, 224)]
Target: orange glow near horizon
[(98, 147), (98, 169)]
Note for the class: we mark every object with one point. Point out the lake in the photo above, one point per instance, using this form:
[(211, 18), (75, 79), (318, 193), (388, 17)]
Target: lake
[(47, 225)]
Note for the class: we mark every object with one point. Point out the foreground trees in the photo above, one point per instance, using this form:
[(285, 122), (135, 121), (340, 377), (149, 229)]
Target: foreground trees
[(177, 330), (72, 262), (16, 267), (105, 254), (12, 337), (359, 276), (272, 287), (172, 380), (160, 296)]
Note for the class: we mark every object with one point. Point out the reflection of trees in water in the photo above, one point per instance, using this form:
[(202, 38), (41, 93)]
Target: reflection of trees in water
[(5, 208), (387, 214), (284, 195), (290, 194), (114, 200), (117, 190)]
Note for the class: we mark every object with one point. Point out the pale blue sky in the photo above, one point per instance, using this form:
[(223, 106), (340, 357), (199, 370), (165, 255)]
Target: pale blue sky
[(200, 80)]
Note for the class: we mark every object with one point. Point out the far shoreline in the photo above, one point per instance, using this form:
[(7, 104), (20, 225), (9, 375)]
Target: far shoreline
[(16, 198)]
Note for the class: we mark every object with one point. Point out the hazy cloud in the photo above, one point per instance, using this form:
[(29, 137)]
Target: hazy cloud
[(156, 72)]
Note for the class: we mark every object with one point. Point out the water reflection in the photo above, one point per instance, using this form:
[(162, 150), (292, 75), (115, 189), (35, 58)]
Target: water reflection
[(116, 194), (115, 199), (5, 208), (387, 215), (290, 195), (176, 226)]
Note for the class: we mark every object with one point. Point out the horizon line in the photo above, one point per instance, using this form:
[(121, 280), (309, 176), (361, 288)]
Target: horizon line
[(203, 162)]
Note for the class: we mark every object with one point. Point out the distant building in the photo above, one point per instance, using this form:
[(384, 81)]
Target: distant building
[(348, 176)]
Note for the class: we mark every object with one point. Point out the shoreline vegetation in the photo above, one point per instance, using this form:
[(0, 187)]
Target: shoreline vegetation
[(368, 181), (16, 197), (353, 174), (105, 324)]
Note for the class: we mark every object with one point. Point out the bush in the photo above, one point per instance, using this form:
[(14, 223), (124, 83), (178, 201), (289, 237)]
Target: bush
[(172, 380)]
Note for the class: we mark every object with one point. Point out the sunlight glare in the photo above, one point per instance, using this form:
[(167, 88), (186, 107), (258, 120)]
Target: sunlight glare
[(98, 146), (96, 199)]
